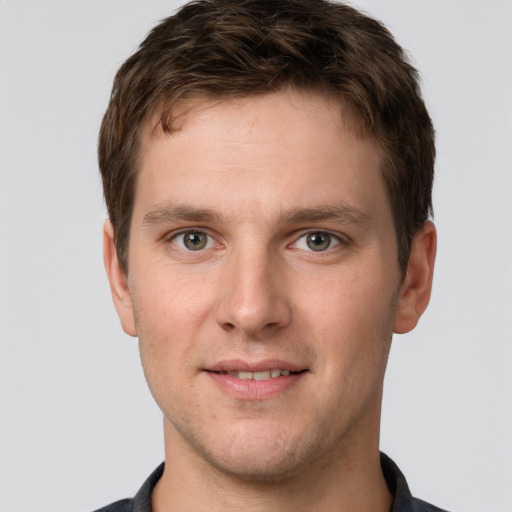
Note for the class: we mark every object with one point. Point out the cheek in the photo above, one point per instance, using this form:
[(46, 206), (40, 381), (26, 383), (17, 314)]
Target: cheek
[(352, 320), (351, 300), (170, 302), (166, 345), (168, 315)]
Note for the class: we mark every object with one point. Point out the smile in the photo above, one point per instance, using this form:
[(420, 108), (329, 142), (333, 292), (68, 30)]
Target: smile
[(260, 383), (264, 375)]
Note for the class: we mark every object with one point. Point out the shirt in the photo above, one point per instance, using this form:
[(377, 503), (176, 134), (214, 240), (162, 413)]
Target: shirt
[(403, 500)]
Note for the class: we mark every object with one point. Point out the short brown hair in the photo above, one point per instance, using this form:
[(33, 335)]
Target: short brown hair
[(236, 48)]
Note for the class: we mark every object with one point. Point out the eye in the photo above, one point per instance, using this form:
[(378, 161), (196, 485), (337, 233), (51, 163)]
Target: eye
[(317, 241), (192, 240)]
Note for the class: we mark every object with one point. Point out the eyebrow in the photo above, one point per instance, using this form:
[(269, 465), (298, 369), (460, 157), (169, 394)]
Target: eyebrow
[(166, 213), (340, 212)]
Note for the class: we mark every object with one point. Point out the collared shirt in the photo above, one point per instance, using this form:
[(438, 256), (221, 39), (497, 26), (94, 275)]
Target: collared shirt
[(403, 500)]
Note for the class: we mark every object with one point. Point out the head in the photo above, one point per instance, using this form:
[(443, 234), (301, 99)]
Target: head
[(267, 167), (218, 49)]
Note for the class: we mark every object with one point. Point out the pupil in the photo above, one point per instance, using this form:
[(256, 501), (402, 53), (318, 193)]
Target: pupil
[(195, 241), (318, 241)]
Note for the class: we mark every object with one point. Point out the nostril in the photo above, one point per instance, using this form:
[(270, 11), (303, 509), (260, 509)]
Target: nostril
[(228, 326)]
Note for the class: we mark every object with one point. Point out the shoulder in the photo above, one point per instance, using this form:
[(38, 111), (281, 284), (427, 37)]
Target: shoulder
[(119, 506), (403, 500), (423, 506), (142, 500)]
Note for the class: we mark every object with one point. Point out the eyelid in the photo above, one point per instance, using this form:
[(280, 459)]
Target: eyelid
[(339, 238), (171, 237)]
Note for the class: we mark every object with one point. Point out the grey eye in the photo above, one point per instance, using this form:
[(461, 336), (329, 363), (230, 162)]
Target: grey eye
[(319, 241), (193, 240)]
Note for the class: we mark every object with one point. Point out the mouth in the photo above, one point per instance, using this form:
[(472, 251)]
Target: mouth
[(260, 375), (256, 381)]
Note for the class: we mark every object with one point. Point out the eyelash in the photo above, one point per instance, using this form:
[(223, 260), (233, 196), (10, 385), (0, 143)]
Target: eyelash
[(333, 241), (210, 242)]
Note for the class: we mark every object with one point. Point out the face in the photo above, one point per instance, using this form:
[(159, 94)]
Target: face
[(263, 283)]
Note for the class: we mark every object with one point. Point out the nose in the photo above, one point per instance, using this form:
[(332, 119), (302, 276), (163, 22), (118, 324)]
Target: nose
[(254, 297)]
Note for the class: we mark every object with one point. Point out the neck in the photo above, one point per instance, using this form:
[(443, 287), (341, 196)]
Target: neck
[(349, 480)]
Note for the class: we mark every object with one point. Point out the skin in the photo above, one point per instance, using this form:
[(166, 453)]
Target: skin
[(254, 177)]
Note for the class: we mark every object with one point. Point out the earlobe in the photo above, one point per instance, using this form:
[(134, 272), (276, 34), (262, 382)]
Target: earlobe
[(417, 286), (118, 281)]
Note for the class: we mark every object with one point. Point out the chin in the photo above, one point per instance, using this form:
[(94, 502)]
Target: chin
[(261, 459), (260, 471)]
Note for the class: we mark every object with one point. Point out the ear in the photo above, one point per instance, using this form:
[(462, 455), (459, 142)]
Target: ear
[(118, 281), (417, 286)]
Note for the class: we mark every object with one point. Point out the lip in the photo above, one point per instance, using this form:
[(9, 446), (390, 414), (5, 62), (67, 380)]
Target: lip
[(239, 365), (255, 390)]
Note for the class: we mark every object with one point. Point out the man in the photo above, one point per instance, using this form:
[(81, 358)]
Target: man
[(267, 168)]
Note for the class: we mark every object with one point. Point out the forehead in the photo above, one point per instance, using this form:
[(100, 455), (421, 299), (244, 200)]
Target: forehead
[(283, 147), (169, 118)]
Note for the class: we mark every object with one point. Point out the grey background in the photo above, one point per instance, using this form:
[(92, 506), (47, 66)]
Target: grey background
[(78, 427)]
